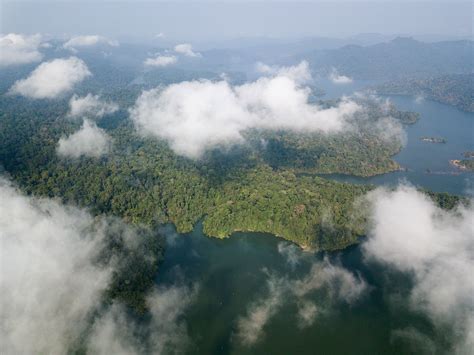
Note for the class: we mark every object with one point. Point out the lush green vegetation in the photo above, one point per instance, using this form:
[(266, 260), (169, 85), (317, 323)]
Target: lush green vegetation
[(363, 150), (310, 211), (135, 263), (445, 200), (351, 153), (144, 182), (260, 186)]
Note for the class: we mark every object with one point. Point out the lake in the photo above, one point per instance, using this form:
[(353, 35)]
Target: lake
[(235, 274), (427, 163)]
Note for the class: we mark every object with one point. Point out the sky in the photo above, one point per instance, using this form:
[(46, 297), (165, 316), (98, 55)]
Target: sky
[(192, 20)]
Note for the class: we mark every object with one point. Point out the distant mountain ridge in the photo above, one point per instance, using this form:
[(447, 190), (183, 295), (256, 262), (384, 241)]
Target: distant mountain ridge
[(400, 58)]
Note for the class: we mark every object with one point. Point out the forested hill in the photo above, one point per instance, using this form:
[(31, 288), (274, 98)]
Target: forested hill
[(456, 90), (142, 181), (399, 58)]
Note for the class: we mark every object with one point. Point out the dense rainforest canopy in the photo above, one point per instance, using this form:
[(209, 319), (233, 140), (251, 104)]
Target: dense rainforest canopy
[(266, 185)]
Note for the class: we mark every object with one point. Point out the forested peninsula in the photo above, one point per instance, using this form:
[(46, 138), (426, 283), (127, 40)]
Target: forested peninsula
[(247, 187)]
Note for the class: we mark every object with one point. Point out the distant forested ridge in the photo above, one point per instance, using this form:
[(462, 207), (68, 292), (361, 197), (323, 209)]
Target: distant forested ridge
[(399, 58), (456, 90)]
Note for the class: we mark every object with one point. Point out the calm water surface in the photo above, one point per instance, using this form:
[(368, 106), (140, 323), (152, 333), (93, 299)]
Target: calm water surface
[(427, 164), (232, 274)]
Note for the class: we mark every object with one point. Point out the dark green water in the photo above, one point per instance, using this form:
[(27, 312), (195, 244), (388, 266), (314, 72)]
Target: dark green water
[(233, 274)]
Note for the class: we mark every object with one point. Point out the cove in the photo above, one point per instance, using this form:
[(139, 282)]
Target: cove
[(427, 164), (231, 274)]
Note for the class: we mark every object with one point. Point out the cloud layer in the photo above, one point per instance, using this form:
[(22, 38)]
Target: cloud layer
[(161, 61), (165, 333), (332, 282), (197, 115), (186, 49), (336, 78), (48, 281), (52, 284), (18, 49), (88, 41), (51, 79), (299, 73), (90, 141), (90, 106), (412, 235)]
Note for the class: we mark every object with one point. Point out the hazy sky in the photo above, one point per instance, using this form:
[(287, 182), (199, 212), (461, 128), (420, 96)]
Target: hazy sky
[(212, 20)]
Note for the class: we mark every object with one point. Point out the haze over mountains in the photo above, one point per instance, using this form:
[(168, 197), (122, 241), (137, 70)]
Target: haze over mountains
[(236, 177), (394, 59)]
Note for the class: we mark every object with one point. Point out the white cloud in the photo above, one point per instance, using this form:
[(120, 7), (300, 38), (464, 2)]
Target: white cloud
[(186, 49), (419, 99), (88, 41), (166, 331), (90, 106), (250, 328), (411, 234), (419, 343), (18, 49), (161, 61), (52, 286), (48, 281), (51, 79), (307, 313), (333, 284), (300, 73), (265, 68), (376, 117), (90, 141), (291, 253), (198, 115), (112, 334), (340, 283), (160, 35), (167, 306), (336, 78)]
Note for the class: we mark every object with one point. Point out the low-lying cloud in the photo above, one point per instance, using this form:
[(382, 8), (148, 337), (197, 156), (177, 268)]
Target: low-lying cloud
[(88, 41), (52, 79), (337, 78), (48, 282), (332, 282), (250, 328), (291, 253), (299, 73), (411, 234), (186, 49), (161, 61), (89, 140), (194, 116), (164, 333), (16, 49), (90, 106), (52, 284)]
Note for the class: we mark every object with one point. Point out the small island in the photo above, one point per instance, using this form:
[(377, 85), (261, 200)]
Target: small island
[(433, 140), (463, 164)]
